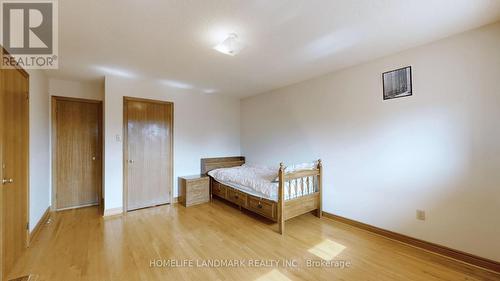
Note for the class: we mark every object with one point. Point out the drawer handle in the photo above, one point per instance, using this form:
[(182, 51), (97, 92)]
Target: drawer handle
[(259, 206)]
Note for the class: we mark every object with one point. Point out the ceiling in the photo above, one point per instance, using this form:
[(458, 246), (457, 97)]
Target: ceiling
[(286, 41)]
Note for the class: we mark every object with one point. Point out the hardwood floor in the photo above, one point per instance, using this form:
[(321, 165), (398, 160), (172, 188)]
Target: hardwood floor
[(80, 245)]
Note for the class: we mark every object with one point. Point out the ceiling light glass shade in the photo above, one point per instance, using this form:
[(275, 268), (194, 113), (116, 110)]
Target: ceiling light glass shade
[(230, 46)]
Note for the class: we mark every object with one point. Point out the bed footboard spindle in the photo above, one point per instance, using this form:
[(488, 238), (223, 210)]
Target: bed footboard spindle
[(288, 190), (281, 199)]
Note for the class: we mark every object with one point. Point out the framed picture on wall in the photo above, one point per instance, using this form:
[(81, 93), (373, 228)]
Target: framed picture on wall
[(397, 83)]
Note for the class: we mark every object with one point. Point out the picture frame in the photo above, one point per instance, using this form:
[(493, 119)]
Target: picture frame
[(397, 83)]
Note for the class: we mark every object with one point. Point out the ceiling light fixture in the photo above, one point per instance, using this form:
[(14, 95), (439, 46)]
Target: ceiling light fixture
[(230, 46)]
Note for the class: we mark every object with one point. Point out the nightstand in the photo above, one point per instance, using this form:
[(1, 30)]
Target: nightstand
[(194, 190)]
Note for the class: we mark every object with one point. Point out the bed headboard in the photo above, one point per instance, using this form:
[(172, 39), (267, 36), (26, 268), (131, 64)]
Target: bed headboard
[(208, 164)]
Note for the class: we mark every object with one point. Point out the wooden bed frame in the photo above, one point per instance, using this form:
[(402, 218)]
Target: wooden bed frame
[(280, 211)]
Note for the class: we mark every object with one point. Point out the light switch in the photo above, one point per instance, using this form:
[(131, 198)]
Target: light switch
[(421, 215)]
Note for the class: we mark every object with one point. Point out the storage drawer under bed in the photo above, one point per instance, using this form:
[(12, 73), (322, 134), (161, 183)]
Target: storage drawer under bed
[(219, 189), (238, 198), (262, 207)]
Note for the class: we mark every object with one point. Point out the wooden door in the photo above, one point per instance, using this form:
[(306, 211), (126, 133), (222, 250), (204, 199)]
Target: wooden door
[(14, 136), (77, 137), (148, 153)]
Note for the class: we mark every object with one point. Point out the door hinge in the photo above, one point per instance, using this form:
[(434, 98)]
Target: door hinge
[(28, 96), (28, 226)]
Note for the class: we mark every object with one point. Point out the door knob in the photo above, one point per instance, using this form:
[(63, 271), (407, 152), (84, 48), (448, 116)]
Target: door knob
[(93, 158), (6, 181), (131, 161)]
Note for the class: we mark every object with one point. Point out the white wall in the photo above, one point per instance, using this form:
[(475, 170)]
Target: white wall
[(39, 162), (438, 150), (76, 89), (204, 126)]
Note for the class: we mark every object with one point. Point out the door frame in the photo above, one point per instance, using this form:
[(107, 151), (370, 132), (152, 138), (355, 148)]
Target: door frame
[(53, 140), (1, 174), (125, 147), (23, 72)]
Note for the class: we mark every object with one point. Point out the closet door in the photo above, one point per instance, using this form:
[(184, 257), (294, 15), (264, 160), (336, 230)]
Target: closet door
[(77, 158), (148, 153), (14, 141)]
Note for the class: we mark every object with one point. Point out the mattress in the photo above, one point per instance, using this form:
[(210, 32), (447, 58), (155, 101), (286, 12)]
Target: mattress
[(261, 181)]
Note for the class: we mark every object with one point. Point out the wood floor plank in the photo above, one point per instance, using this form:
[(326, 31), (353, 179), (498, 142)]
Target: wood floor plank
[(81, 245)]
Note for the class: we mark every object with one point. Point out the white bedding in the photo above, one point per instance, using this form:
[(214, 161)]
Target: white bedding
[(257, 179), (261, 181)]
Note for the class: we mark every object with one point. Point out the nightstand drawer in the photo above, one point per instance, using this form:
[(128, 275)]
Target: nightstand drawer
[(199, 181), (194, 190), (198, 192)]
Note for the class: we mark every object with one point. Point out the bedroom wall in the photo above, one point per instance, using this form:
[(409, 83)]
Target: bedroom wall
[(204, 126), (39, 176), (93, 90), (437, 151)]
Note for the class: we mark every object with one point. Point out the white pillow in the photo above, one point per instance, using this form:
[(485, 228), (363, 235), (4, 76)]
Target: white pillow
[(300, 166), (253, 165)]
